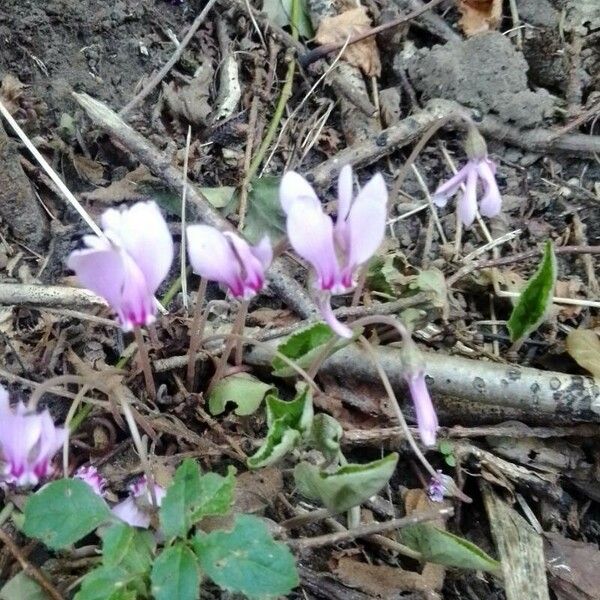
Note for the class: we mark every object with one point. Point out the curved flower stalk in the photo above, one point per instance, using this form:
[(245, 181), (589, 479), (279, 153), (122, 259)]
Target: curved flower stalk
[(92, 477), (127, 266), (478, 168), (229, 259), (335, 251), (28, 442), (427, 420), (136, 510)]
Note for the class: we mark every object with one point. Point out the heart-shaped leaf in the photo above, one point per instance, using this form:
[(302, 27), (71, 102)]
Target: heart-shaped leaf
[(244, 390), (175, 574)]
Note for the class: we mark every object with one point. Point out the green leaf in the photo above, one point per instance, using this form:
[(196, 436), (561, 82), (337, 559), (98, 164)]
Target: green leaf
[(110, 583), (175, 574), (63, 512), (280, 441), (280, 12), (247, 559), (445, 447), (304, 346), (244, 390), (265, 215), (534, 301), (326, 435), (22, 587), (444, 548), (346, 487), (127, 547), (192, 496), (219, 197)]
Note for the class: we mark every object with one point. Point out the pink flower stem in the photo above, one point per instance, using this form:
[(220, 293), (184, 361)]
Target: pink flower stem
[(196, 333), (145, 362), (238, 329), (360, 284)]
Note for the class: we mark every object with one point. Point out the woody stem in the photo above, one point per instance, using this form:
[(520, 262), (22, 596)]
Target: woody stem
[(145, 362)]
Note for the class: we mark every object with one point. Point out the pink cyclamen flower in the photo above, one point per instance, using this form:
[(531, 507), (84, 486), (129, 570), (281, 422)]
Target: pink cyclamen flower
[(136, 510), (427, 420), (335, 251), (437, 487), (92, 477), (229, 259), (127, 266), (28, 442)]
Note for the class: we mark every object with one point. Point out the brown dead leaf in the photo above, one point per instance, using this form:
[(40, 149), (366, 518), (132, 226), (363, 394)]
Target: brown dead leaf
[(11, 92), (478, 16), (191, 101), (363, 54), (88, 169), (131, 188), (584, 346)]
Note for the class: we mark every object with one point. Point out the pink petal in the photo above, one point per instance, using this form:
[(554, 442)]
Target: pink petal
[(449, 188), (91, 476), (129, 512), (252, 271), (213, 258), (19, 435), (366, 222), (331, 320), (4, 401), (467, 205), (294, 187), (491, 203), (137, 307), (344, 193), (264, 252), (427, 420), (51, 440), (310, 232), (144, 234)]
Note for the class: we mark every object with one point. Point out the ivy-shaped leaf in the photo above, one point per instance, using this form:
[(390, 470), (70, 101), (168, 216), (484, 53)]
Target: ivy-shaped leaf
[(175, 574), (265, 215), (63, 512), (247, 559), (244, 390), (326, 435), (127, 547), (110, 583), (535, 300), (346, 487)]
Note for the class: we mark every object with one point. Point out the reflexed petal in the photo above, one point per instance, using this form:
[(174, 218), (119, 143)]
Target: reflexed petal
[(491, 203), (129, 512), (467, 205), (213, 258), (19, 435), (253, 275), (450, 187), (310, 232), (51, 440), (427, 420), (294, 187), (366, 222), (92, 477), (331, 320), (344, 193), (137, 301), (264, 252)]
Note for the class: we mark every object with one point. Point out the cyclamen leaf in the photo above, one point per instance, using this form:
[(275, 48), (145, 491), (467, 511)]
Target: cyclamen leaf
[(280, 12), (265, 215), (445, 548), (584, 346), (247, 559), (175, 574), (346, 487), (280, 441), (297, 413), (63, 512), (535, 300), (109, 583), (127, 547), (21, 587), (326, 435), (244, 390), (192, 496)]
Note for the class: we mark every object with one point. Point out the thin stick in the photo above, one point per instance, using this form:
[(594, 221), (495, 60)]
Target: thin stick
[(72, 409), (369, 529), (183, 217), (30, 570), (145, 362), (196, 333), (170, 63), (241, 322)]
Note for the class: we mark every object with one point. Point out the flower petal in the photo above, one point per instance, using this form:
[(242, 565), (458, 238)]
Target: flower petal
[(264, 252), (137, 307), (252, 272), (449, 188), (467, 205), (366, 222), (427, 420), (310, 232), (294, 187), (344, 193), (129, 512), (212, 257), (491, 203), (331, 320), (51, 440)]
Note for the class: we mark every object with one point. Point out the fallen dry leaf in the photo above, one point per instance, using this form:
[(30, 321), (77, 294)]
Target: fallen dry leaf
[(478, 16), (584, 346), (133, 187), (363, 54)]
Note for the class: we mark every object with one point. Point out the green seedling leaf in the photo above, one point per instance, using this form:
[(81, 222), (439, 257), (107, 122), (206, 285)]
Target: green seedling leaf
[(219, 197), (175, 574), (110, 583), (326, 435), (535, 300), (22, 587), (280, 441), (63, 512), (445, 548), (265, 215), (244, 390), (192, 496), (445, 447), (584, 347), (304, 346), (346, 487), (127, 547), (280, 12), (433, 282), (247, 560)]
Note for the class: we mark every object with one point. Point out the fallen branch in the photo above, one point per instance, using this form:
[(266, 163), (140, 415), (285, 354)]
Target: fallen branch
[(284, 286), (48, 295)]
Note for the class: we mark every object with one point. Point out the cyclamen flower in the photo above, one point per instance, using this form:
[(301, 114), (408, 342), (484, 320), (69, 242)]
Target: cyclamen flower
[(335, 251), (229, 259), (92, 477), (136, 510), (427, 420), (28, 441), (481, 168), (128, 265), (437, 487)]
